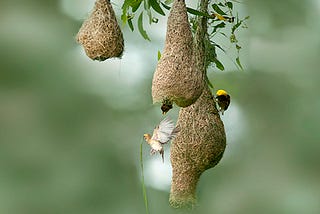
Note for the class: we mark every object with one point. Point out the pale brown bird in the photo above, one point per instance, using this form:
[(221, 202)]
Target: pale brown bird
[(162, 134)]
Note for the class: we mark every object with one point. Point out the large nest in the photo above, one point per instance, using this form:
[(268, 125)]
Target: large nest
[(100, 33), (198, 146), (177, 77)]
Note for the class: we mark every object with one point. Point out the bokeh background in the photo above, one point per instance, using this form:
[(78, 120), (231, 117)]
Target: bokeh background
[(71, 128)]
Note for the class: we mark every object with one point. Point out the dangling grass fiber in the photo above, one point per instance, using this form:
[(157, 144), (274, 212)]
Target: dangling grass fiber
[(145, 198)]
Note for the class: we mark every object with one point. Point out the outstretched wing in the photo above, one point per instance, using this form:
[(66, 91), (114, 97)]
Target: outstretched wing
[(166, 131)]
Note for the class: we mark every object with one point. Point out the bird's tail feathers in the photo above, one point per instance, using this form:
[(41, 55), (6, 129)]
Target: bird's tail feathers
[(175, 131)]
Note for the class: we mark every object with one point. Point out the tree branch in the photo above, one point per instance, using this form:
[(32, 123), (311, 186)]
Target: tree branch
[(201, 36)]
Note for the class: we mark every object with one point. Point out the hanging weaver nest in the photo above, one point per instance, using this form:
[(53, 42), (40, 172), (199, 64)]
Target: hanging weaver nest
[(198, 146), (177, 78), (100, 33)]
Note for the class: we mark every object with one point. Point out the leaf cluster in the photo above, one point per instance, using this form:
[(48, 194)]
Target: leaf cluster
[(220, 16), (224, 23), (130, 9)]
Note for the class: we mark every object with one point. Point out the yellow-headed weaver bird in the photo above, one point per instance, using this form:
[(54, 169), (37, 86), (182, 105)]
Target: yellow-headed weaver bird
[(162, 134), (223, 100)]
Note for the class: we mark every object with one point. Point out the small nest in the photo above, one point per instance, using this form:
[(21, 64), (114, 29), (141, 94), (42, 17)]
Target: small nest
[(198, 146), (100, 33), (177, 77)]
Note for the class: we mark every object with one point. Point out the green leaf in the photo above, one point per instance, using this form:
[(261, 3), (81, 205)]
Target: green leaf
[(155, 5), (168, 1), (149, 15), (126, 5), (141, 29), (135, 5), (238, 24), (209, 83), (130, 24), (159, 55), (223, 34), (218, 10), (220, 25), (124, 18), (218, 46), (219, 64), (233, 38), (165, 6), (190, 10), (229, 5), (146, 4), (234, 27), (210, 51), (197, 12), (125, 8), (239, 63)]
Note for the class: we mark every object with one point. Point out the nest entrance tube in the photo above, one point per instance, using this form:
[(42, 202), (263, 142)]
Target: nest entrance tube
[(177, 78), (100, 34), (199, 146)]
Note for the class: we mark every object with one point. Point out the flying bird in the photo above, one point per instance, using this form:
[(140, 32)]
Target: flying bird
[(162, 134)]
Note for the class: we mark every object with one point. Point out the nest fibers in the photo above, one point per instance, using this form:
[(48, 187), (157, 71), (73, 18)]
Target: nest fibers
[(100, 33), (198, 146), (177, 78)]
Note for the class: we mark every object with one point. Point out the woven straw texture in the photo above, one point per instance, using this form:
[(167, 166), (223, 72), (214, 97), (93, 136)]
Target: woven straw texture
[(198, 146), (177, 77), (100, 33)]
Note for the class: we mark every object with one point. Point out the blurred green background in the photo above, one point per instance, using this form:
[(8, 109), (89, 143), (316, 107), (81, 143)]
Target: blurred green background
[(71, 128)]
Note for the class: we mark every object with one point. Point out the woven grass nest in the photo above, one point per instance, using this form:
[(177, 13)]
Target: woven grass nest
[(198, 146), (100, 33), (177, 78)]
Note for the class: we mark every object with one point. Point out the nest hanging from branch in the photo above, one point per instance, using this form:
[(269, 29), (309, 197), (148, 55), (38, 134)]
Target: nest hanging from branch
[(177, 78), (100, 33), (199, 145)]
